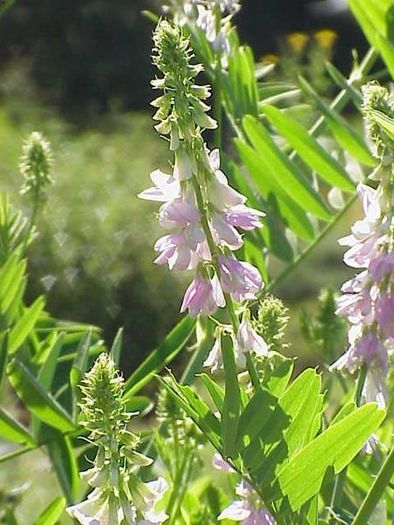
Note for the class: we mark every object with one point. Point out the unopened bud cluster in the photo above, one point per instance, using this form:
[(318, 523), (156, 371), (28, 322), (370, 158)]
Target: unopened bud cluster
[(35, 165), (119, 497)]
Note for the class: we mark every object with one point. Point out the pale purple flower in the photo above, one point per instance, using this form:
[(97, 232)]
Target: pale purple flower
[(166, 188), (365, 348), (203, 296), (248, 340), (97, 509), (214, 360), (356, 307), (221, 464), (249, 509), (242, 280), (154, 491), (356, 284), (221, 194), (224, 233), (381, 265), (243, 217), (178, 214), (375, 387), (384, 306), (180, 249)]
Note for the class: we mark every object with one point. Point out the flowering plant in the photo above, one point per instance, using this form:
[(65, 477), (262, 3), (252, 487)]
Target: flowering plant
[(249, 193)]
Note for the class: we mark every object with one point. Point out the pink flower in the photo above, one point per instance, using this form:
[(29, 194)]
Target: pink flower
[(179, 249), (356, 307), (214, 361), (178, 213), (381, 265), (166, 188), (224, 233), (203, 296), (221, 195), (242, 280), (221, 464), (384, 306), (248, 340), (243, 217), (365, 348), (248, 510)]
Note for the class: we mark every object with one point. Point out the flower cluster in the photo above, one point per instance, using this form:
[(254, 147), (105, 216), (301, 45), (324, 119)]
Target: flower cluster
[(368, 298), (118, 496), (212, 17), (200, 210)]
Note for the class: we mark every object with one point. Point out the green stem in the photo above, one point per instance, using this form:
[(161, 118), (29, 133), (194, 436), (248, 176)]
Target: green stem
[(360, 385), (375, 493), (337, 494), (303, 255)]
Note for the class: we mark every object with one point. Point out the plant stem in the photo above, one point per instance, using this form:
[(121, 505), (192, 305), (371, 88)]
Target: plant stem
[(376, 491), (303, 255), (360, 384)]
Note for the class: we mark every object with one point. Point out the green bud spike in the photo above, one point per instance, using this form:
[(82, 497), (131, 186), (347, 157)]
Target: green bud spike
[(378, 108), (35, 165)]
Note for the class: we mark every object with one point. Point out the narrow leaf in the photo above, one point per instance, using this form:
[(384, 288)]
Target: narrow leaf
[(64, 462), (117, 346), (25, 325), (52, 513), (14, 431), (309, 149), (343, 133), (287, 174), (164, 353), (37, 399)]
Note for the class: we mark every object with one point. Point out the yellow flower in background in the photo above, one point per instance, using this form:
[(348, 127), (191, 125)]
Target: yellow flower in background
[(270, 58), (326, 38), (297, 41)]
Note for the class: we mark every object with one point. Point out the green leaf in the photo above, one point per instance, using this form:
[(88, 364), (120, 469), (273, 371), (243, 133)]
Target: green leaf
[(301, 402), (14, 431), (214, 390), (164, 353), (309, 149), (232, 398), (138, 404), (3, 355), (257, 412), (373, 15), (345, 135), (342, 82), (37, 399), (384, 121), (80, 362), (48, 368), (52, 513), (288, 175), (301, 478), (278, 379), (21, 331), (65, 465), (195, 408), (294, 216), (116, 348)]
